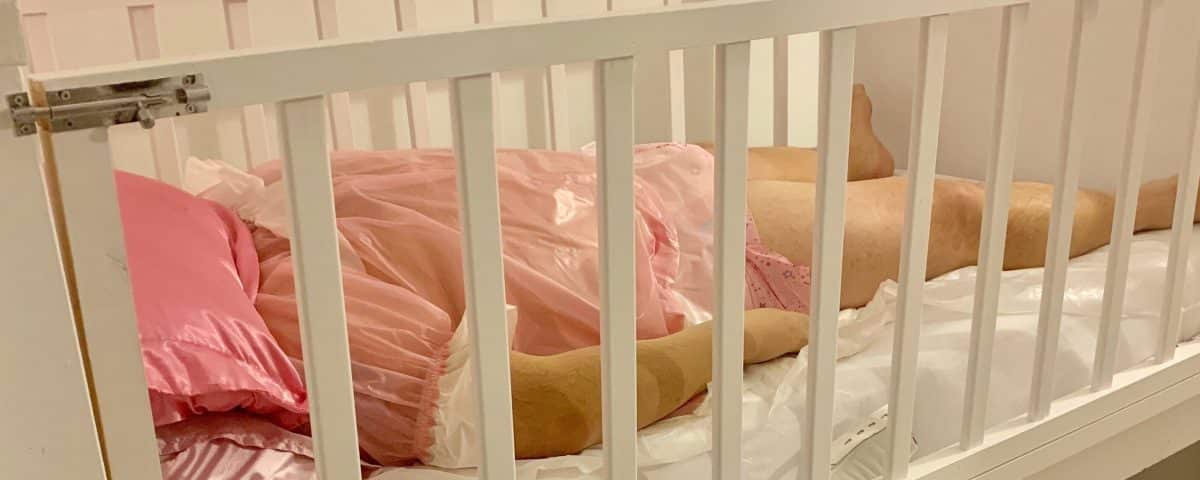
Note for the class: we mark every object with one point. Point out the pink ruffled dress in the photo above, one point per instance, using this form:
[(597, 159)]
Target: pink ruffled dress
[(398, 225)]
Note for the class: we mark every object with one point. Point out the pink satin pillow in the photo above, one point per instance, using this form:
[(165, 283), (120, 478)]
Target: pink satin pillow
[(194, 272)]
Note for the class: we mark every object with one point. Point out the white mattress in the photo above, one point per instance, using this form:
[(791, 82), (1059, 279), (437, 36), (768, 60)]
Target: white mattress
[(774, 398)]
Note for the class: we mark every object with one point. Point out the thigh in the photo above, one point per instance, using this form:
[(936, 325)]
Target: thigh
[(784, 213), (791, 164)]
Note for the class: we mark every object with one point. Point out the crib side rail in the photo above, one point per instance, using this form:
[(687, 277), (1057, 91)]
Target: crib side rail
[(614, 42), (249, 77)]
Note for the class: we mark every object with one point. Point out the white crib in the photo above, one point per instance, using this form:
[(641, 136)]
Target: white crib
[(297, 79)]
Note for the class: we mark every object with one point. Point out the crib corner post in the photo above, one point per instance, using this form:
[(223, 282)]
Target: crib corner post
[(41, 366)]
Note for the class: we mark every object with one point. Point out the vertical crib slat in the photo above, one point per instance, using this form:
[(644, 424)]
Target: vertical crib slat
[(45, 335), (780, 71), (732, 110), (471, 108), (922, 162), (698, 82), (614, 153), (655, 118), (185, 29), (837, 77), (416, 94), (485, 14), (1181, 234), (1151, 28), (167, 165), (1058, 244), (995, 224), (260, 143), (320, 300), (558, 104), (557, 101), (80, 167)]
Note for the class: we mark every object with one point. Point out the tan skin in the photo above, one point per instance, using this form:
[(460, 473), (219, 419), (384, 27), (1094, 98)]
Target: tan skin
[(556, 399)]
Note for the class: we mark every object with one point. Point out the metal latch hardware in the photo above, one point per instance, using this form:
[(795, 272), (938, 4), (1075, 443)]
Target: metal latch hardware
[(105, 105)]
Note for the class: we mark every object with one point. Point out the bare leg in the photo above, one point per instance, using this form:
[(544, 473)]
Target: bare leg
[(868, 157), (875, 225), (556, 399)]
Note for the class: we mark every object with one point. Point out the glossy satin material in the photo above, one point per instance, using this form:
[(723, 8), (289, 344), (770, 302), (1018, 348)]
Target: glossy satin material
[(194, 273), (397, 217), (233, 446)]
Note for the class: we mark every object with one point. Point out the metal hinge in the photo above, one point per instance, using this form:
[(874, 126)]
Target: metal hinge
[(89, 107)]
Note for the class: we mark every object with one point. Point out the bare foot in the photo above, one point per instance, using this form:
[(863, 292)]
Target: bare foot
[(872, 158)]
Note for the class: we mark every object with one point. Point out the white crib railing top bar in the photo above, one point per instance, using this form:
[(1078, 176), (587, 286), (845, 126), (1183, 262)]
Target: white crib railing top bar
[(923, 151), (251, 77), (1151, 29), (1009, 94)]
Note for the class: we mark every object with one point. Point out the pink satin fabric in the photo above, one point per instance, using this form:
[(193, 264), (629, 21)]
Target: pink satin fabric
[(194, 273), (233, 446)]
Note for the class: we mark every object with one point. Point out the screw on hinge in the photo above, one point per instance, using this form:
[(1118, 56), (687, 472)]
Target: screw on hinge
[(189, 80), (19, 100), (191, 108), (26, 129), (64, 95)]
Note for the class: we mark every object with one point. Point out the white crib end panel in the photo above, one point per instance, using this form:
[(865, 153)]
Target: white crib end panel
[(41, 367)]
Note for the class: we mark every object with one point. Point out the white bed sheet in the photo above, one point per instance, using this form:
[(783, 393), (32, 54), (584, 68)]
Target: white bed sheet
[(774, 398)]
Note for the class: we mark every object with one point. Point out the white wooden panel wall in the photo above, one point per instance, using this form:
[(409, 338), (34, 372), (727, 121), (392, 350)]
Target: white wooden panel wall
[(888, 60)]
